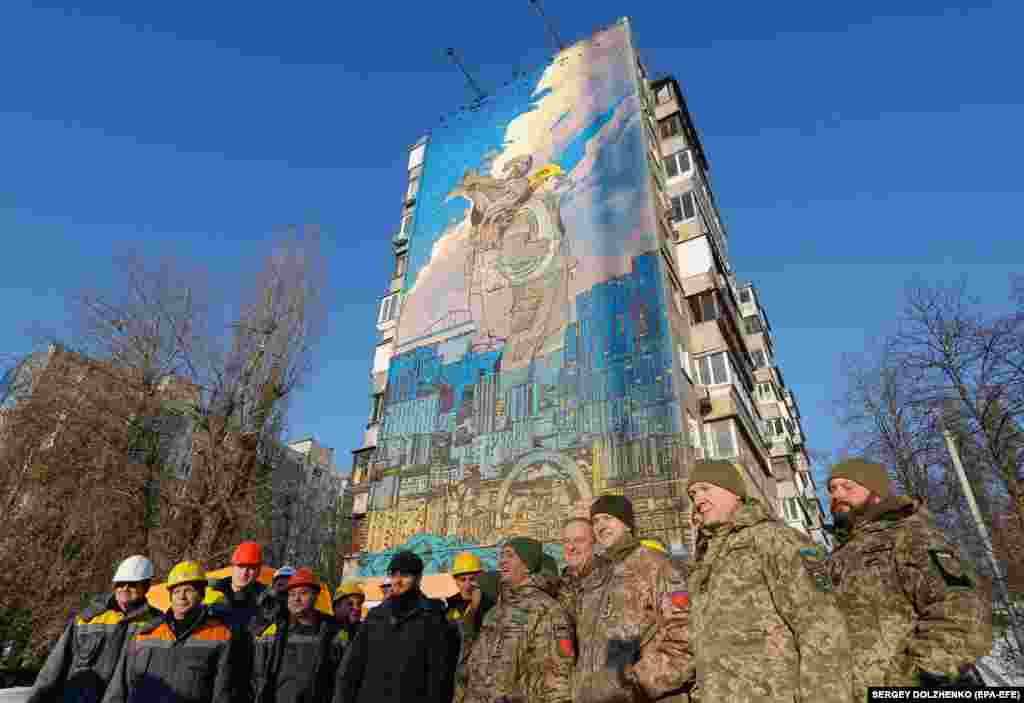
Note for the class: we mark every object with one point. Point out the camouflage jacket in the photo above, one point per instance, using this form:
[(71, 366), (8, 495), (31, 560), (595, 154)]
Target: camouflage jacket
[(570, 586), (764, 621), (910, 604), (632, 628), (523, 651)]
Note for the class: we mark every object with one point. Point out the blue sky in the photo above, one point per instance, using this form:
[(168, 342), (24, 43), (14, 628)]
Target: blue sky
[(852, 146)]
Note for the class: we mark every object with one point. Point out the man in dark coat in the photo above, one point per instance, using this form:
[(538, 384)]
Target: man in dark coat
[(188, 656), (401, 654), (296, 658), (240, 597)]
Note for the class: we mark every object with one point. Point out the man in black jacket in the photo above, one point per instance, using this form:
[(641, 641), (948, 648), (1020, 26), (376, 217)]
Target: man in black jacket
[(295, 659), (401, 654)]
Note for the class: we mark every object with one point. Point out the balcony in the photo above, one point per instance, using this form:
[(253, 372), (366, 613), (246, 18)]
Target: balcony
[(730, 399), (781, 445)]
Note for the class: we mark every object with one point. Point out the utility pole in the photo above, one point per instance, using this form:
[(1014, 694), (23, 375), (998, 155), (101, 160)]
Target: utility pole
[(965, 486)]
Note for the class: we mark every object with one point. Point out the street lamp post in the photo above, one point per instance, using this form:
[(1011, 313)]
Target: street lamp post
[(997, 571)]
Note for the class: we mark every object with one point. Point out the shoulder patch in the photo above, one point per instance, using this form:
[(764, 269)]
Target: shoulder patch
[(563, 637), (813, 559), (679, 599), (950, 568)]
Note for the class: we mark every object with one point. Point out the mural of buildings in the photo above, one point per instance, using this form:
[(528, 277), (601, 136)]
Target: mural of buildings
[(562, 322), (529, 338)]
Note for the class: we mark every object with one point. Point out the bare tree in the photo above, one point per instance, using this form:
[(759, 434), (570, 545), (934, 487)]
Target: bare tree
[(156, 433)]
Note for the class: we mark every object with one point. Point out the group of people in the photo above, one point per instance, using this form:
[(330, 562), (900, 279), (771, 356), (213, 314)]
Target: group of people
[(760, 613)]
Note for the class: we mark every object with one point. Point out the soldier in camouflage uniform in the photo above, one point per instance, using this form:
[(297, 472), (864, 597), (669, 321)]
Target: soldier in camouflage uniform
[(524, 650), (914, 613), (764, 621), (631, 617)]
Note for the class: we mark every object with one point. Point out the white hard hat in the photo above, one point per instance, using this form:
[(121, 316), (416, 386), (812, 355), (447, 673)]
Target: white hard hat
[(132, 569)]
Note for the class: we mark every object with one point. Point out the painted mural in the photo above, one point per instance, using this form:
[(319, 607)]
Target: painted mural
[(533, 364)]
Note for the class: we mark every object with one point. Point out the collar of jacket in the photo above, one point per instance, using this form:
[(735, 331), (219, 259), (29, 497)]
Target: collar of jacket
[(890, 511), (391, 612), (252, 593), (622, 549), (749, 513), (107, 601), (536, 582), (195, 618)]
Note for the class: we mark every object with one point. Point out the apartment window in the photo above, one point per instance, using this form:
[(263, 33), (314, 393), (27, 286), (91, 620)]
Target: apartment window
[(665, 94), (683, 207), (791, 509), (400, 263), (414, 183), (789, 425), (721, 441), (670, 126), (713, 369), (766, 391), (753, 324), (684, 361), (388, 309), (703, 307), (775, 428), (406, 226), (745, 295), (759, 358), (377, 408), (694, 428), (677, 164)]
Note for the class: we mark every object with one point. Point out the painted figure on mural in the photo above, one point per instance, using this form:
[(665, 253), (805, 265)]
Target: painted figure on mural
[(517, 266)]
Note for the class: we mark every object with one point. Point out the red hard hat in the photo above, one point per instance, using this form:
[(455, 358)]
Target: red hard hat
[(248, 554), (303, 577)]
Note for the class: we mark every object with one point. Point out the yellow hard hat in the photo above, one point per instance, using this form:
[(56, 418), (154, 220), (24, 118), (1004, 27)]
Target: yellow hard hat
[(466, 563), (186, 572), (349, 588), (655, 545)]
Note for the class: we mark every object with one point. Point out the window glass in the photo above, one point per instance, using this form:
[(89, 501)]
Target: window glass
[(723, 440), (687, 205), (745, 295), (705, 370), (708, 308), (683, 161), (671, 170), (718, 366)]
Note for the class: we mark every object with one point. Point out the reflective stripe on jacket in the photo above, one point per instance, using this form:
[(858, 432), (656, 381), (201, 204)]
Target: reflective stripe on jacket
[(196, 666), (296, 668), (82, 662)]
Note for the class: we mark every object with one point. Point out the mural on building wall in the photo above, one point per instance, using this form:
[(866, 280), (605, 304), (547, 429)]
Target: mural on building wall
[(533, 352)]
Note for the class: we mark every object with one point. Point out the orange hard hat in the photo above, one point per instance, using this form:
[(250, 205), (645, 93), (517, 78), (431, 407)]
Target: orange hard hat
[(303, 577), (248, 554)]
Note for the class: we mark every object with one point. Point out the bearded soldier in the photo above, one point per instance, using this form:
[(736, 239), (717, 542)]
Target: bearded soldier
[(914, 612)]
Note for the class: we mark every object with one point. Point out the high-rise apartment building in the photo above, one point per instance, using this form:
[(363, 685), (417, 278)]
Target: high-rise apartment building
[(562, 321), (751, 416)]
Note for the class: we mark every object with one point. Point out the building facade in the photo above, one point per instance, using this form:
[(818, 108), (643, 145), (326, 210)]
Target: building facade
[(548, 334), (748, 415)]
